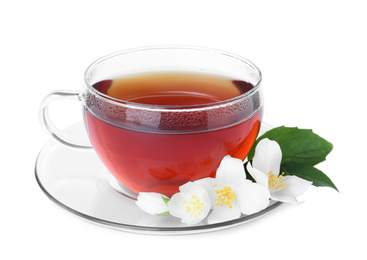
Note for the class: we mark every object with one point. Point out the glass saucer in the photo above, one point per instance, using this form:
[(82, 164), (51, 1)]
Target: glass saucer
[(76, 180)]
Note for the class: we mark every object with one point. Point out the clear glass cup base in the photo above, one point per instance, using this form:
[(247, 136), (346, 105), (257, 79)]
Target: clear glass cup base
[(77, 181), (119, 187)]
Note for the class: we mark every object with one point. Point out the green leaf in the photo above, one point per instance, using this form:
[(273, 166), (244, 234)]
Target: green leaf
[(248, 175), (166, 213), (165, 199), (309, 173), (297, 145)]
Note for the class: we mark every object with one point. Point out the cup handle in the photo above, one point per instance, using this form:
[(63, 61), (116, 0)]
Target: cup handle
[(46, 121)]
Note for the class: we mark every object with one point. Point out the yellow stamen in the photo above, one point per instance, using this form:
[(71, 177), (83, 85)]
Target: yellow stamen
[(226, 197), (196, 206), (274, 182)]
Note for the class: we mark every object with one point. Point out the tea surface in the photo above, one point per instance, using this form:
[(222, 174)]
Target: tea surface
[(173, 89)]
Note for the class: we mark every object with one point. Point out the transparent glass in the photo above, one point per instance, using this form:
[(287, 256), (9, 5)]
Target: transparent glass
[(155, 148)]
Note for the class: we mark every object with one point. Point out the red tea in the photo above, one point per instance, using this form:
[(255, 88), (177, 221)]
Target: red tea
[(159, 150)]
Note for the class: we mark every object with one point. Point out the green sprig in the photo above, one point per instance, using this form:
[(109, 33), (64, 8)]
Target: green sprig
[(166, 213), (301, 149)]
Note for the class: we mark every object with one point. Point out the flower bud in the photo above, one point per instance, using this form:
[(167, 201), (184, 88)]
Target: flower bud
[(152, 203)]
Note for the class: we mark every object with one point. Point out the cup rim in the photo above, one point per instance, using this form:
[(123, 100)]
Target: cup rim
[(172, 107)]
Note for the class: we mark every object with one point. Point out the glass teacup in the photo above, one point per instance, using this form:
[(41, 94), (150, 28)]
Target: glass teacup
[(156, 146)]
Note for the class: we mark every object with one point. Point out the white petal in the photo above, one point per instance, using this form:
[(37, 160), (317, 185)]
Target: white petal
[(230, 171), (190, 188), (210, 185), (268, 157), (151, 202), (295, 187), (182, 204), (222, 214), (288, 199), (175, 206), (252, 197), (260, 177)]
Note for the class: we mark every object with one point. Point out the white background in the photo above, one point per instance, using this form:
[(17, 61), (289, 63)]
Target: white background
[(313, 58)]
